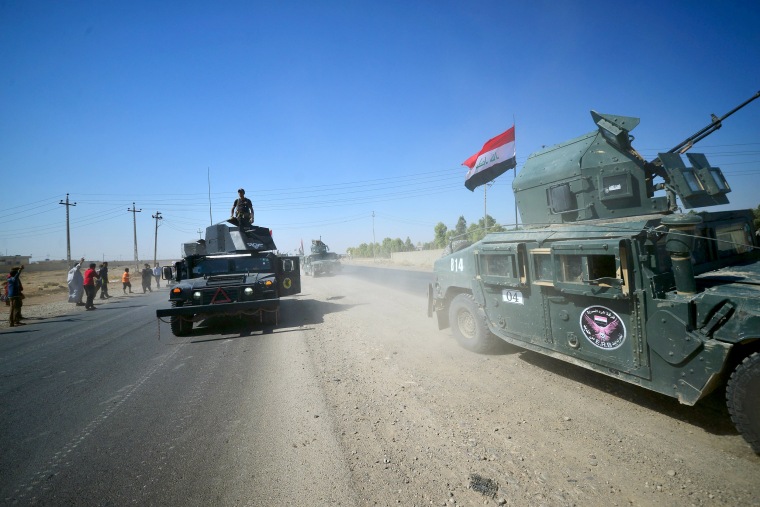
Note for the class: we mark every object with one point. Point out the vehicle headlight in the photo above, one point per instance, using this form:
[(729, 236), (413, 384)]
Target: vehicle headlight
[(197, 294), (248, 291)]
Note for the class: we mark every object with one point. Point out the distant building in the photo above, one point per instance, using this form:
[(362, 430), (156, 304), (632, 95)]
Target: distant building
[(8, 261)]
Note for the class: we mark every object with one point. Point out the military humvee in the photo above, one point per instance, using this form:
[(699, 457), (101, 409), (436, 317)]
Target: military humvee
[(233, 272), (609, 276), (321, 261)]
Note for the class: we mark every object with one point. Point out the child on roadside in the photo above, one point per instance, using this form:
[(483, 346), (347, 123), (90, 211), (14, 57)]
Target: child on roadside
[(125, 281)]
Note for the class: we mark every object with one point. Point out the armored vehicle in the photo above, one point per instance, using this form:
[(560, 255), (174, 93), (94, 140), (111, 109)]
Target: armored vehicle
[(611, 277), (232, 272), (321, 261)]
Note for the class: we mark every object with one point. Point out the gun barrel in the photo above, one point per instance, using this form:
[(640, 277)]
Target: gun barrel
[(687, 143)]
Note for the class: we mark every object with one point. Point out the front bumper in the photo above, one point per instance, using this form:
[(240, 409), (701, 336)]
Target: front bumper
[(220, 309)]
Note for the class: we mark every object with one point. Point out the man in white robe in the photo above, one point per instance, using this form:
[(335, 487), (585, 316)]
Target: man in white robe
[(76, 284)]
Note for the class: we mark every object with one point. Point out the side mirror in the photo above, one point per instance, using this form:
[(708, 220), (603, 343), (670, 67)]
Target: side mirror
[(166, 273), (287, 265)]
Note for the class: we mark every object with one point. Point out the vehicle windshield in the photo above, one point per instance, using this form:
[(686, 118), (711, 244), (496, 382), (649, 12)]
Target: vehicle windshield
[(227, 265)]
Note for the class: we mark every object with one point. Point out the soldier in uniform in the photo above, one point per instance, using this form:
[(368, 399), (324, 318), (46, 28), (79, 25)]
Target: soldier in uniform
[(244, 213)]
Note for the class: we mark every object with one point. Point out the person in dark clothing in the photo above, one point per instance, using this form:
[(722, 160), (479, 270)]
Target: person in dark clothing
[(8, 301), (15, 295), (244, 213), (147, 274), (89, 286), (103, 272)]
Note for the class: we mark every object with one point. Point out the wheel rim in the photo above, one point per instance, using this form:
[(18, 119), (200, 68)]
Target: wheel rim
[(466, 324)]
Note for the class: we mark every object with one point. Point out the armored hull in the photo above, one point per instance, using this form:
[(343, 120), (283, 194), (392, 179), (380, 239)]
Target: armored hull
[(607, 275)]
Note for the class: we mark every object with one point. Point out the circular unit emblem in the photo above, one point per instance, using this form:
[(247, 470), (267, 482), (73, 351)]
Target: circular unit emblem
[(286, 283), (602, 327)]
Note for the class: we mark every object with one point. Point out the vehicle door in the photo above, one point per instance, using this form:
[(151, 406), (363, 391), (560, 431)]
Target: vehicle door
[(591, 304), (288, 276), (509, 304)]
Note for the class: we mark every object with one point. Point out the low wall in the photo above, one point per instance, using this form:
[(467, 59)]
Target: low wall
[(64, 266), (421, 260)]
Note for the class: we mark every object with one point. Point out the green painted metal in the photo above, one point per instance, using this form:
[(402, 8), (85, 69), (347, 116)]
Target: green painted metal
[(608, 276)]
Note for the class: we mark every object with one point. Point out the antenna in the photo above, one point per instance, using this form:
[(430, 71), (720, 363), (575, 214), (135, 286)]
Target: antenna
[(208, 177)]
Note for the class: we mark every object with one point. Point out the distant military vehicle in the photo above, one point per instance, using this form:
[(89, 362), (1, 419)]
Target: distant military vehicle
[(232, 272), (609, 276), (321, 261)]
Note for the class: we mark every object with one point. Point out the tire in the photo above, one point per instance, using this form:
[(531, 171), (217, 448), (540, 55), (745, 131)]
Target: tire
[(180, 326), (743, 399), (468, 325)]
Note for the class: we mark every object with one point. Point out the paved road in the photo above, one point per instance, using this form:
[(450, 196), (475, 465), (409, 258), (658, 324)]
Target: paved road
[(96, 410)]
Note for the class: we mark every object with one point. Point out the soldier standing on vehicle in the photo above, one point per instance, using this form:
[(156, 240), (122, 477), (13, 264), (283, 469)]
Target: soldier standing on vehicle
[(244, 212)]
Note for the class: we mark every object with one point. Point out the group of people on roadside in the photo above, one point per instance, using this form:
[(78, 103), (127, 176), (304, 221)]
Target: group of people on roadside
[(94, 280)]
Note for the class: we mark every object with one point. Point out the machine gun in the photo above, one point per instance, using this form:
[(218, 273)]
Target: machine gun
[(700, 185), (716, 123)]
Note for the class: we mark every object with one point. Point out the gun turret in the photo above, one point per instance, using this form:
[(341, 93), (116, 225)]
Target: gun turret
[(318, 247), (601, 176), (221, 238)]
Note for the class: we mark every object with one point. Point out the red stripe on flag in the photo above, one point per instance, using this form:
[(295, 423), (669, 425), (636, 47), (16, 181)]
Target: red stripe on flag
[(505, 137)]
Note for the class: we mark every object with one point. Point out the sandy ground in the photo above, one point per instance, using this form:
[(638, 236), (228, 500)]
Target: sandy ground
[(424, 422)]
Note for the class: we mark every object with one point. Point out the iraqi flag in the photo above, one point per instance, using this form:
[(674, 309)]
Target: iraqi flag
[(495, 158)]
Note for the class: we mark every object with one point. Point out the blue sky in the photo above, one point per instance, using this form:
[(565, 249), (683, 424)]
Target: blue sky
[(328, 111)]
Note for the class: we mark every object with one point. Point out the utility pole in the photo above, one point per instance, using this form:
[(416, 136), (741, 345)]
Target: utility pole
[(68, 234), (134, 225), (373, 237), (199, 233), (158, 217)]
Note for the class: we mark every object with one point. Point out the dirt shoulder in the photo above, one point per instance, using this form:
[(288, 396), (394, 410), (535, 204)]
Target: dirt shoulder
[(425, 422)]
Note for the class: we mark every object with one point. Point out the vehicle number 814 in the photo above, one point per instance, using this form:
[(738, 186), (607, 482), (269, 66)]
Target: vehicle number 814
[(457, 264)]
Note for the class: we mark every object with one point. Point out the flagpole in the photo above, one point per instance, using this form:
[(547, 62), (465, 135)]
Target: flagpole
[(485, 209), (515, 177)]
